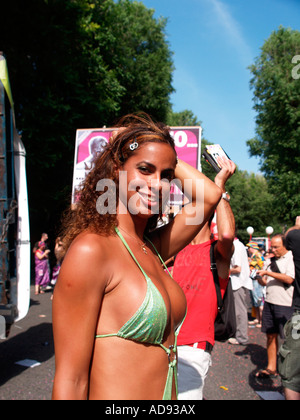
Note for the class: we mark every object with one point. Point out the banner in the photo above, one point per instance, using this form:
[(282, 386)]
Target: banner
[(90, 142)]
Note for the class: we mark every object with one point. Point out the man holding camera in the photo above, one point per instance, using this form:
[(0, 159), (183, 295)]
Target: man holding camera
[(278, 278), (192, 271)]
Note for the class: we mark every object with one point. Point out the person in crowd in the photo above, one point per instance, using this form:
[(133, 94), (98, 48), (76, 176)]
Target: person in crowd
[(42, 273), (59, 252), (116, 312), (241, 285), (44, 238), (278, 279), (192, 271), (268, 255), (289, 353), (257, 293)]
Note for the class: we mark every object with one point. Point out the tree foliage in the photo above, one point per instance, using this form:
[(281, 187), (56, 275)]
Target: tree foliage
[(251, 201), (277, 103), (184, 118), (78, 64), (133, 44)]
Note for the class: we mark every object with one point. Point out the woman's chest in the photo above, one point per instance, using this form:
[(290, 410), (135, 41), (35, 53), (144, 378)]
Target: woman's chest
[(135, 282)]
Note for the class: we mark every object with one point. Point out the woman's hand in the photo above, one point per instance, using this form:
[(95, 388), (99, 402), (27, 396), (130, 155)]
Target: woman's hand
[(227, 170)]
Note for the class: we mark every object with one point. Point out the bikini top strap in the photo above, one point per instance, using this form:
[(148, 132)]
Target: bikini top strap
[(159, 256), (131, 253), (129, 250)]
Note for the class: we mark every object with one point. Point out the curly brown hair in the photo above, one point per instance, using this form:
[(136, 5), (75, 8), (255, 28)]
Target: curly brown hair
[(84, 216)]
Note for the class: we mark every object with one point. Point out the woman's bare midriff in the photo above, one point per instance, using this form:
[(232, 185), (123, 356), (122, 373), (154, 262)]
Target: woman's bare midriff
[(119, 368)]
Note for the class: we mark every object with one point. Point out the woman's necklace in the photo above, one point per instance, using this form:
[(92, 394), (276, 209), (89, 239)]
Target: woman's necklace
[(142, 245)]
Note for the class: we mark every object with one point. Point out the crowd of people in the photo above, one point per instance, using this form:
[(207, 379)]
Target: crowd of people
[(125, 325), (46, 275), (272, 279), (266, 277)]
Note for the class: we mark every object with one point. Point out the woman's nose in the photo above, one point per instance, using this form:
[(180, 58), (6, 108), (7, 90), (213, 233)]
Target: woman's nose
[(155, 183)]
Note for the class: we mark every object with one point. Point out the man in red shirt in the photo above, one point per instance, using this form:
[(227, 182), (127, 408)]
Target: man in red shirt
[(193, 273)]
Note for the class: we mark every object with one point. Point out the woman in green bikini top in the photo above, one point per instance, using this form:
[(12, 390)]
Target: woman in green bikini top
[(116, 312), (149, 323)]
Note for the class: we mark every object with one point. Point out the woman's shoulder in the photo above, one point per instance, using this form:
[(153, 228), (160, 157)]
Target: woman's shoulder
[(87, 261), (90, 245)]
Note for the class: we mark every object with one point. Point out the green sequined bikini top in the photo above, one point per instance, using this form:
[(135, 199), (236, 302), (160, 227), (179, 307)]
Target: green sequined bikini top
[(149, 322)]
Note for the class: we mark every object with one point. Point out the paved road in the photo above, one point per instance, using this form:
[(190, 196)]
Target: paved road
[(31, 338), (230, 377)]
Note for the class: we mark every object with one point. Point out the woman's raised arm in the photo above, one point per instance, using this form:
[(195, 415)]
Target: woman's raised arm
[(203, 196)]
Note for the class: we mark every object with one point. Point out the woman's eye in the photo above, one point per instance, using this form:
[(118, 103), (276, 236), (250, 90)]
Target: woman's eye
[(144, 169)]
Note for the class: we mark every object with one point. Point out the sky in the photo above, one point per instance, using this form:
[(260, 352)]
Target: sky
[(213, 42)]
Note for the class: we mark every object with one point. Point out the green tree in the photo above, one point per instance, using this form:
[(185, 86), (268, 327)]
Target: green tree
[(251, 201), (184, 118), (76, 64), (252, 204), (133, 45), (276, 90)]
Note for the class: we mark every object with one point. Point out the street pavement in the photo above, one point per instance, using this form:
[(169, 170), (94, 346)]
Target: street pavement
[(30, 338), (231, 376)]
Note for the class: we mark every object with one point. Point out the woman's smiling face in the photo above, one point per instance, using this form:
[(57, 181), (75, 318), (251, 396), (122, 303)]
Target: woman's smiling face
[(145, 178)]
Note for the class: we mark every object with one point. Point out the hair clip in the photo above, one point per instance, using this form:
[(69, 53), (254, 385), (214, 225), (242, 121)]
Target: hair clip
[(134, 146)]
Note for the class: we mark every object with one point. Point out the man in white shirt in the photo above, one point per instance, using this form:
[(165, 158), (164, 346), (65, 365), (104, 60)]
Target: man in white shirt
[(278, 277), (241, 284)]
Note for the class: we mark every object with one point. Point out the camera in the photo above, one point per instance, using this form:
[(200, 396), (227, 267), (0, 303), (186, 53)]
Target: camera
[(211, 154), (254, 275)]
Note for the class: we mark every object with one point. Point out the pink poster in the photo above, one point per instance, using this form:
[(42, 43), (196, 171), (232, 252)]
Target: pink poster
[(188, 144), (90, 142)]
